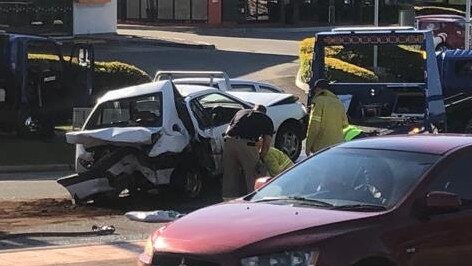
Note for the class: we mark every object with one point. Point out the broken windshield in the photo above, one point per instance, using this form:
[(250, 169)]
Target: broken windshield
[(145, 111), (356, 63)]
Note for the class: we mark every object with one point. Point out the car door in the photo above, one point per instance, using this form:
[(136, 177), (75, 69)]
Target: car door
[(213, 112), (80, 75), (445, 238), (44, 77)]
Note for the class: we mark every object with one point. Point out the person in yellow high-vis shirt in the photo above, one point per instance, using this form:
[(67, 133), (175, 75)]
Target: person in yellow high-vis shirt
[(275, 161), (327, 119), (352, 132)]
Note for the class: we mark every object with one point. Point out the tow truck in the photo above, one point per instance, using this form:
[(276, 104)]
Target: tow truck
[(392, 104), (38, 85)]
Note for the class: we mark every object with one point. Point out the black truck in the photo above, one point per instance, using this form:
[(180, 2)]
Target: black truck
[(39, 86)]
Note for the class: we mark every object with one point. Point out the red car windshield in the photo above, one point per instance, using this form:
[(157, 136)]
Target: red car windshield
[(342, 176)]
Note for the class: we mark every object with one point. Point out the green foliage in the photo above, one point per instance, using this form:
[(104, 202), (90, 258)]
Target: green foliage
[(114, 75), (108, 75)]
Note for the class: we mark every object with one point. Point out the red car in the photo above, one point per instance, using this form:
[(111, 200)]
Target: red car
[(403, 200), (452, 25)]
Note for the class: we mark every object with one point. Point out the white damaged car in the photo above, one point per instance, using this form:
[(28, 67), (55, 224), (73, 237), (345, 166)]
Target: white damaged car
[(159, 134)]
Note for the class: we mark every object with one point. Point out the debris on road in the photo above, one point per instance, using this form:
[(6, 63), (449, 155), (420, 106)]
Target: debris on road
[(103, 230), (158, 216)]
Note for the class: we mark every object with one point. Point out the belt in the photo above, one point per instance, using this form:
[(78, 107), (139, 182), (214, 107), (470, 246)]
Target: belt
[(249, 142)]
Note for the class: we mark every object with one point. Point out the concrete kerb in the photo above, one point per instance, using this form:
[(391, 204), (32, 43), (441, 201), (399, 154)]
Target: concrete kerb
[(117, 39), (118, 243), (4, 169)]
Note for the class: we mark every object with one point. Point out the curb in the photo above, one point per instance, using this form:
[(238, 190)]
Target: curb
[(191, 29), (300, 84), (164, 43), (52, 247), (35, 168), (138, 40)]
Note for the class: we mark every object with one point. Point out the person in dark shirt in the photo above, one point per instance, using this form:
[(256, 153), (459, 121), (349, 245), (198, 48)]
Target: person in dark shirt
[(241, 156)]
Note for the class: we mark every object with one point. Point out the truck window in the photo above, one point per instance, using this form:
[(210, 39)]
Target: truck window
[(355, 63), (463, 67), (43, 56)]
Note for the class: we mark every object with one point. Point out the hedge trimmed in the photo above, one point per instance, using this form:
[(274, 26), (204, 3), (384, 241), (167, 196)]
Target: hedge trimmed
[(405, 61), (107, 75)]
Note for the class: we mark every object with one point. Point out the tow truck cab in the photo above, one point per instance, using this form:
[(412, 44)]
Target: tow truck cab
[(382, 101), (38, 87)]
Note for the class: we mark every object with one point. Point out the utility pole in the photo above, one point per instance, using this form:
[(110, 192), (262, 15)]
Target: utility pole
[(467, 24), (376, 24)]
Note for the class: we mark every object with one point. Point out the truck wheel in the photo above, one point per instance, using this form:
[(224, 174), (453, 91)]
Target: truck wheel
[(289, 140), (187, 182)]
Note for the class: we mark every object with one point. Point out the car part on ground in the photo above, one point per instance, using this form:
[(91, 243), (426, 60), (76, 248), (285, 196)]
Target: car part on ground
[(158, 216)]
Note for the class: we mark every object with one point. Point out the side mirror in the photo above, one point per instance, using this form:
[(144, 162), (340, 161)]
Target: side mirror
[(261, 182), (440, 202)]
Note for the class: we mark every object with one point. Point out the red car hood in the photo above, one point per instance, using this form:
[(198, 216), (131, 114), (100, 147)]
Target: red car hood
[(226, 227)]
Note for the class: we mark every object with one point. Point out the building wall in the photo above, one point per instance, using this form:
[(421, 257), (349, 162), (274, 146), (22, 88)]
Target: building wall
[(95, 18), (133, 9)]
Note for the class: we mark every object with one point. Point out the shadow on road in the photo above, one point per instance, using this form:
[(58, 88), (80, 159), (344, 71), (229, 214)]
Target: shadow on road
[(271, 33), (152, 59)]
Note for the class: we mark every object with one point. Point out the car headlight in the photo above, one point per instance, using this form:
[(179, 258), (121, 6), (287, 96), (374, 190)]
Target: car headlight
[(291, 258)]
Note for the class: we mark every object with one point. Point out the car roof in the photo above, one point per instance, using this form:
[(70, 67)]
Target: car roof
[(207, 80), (152, 87), (189, 89), (133, 91), (432, 144)]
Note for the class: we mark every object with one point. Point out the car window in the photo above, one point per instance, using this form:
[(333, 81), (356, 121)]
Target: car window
[(143, 111), (456, 178), (358, 176), (263, 88), (215, 109), (243, 87)]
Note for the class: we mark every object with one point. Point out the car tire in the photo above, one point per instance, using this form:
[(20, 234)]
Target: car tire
[(187, 182), (289, 139)]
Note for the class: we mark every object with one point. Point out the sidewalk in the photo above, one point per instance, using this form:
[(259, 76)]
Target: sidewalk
[(119, 253)]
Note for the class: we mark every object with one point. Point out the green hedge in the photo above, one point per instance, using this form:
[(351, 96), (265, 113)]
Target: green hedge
[(114, 75), (352, 65), (108, 75)]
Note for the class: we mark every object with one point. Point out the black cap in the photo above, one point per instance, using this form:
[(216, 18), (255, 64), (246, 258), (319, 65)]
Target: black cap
[(322, 84)]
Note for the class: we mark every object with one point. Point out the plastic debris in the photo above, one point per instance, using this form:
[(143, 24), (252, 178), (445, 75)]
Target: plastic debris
[(103, 230), (158, 216)]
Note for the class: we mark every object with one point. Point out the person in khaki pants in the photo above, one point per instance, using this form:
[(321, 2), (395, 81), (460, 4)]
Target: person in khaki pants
[(241, 156)]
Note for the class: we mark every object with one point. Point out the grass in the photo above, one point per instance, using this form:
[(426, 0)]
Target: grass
[(15, 151)]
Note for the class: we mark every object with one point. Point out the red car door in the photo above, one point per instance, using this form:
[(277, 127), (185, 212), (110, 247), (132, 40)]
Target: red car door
[(446, 238)]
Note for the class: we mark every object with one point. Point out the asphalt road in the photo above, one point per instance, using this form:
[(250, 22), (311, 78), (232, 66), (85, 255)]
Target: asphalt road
[(262, 56)]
